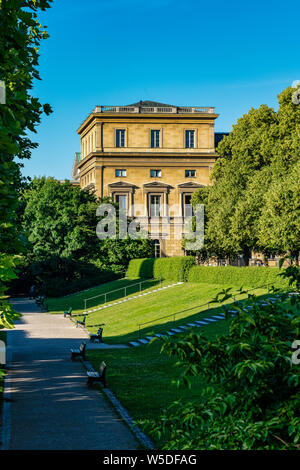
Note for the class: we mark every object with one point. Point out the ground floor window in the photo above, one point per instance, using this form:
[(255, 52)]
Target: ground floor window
[(155, 205), (187, 205), (121, 199), (157, 248)]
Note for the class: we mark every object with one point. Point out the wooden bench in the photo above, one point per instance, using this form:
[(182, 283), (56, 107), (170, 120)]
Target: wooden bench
[(98, 336), (68, 312), (40, 302), (94, 377), (82, 323), (79, 352)]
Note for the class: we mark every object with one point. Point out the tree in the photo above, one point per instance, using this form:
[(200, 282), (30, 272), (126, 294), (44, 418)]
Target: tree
[(20, 37), (279, 224), (60, 220), (62, 249), (262, 148)]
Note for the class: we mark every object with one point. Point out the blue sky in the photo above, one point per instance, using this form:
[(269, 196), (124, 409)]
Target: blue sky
[(229, 54)]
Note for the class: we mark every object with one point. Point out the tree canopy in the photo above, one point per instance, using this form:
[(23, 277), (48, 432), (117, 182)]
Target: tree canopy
[(253, 203), (20, 36)]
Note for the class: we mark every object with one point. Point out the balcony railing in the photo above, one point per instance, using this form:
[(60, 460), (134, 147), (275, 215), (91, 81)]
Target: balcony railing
[(154, 109)]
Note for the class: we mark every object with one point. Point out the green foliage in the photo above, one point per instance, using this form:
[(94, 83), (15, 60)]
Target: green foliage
[(254, 201), (7, 314), (117, 254), (59, 220), (175, 268), (63, 252), (55, 276), (231, 275), (21, 34), (251, 400)]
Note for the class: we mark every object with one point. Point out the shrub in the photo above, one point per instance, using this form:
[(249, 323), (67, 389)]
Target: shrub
[(55, 276), (231, 275), (173, 269)]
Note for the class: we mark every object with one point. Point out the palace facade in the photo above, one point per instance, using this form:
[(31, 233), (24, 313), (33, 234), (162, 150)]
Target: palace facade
[(149, 157)]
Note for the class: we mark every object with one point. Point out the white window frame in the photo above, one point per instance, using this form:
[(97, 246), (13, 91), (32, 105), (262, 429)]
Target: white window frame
[(123, 172), (190, 132), (157, 173), (154, 138), (120, 138)]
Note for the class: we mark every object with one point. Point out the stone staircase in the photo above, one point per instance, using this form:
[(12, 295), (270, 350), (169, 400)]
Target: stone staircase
[(197, 323)]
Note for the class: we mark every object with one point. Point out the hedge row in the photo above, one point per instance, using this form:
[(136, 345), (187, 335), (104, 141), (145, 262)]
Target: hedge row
[(230, 275), (183, 268), (173, 269)]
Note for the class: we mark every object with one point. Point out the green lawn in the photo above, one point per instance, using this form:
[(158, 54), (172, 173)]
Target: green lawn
[(60, 304), (142, 377), (185, 300)]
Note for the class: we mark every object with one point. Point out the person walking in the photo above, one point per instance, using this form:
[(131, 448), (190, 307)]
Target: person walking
[(31, 292)]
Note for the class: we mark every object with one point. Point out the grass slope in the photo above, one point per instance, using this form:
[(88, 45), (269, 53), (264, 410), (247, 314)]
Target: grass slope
[(60, 304), (185, 300)]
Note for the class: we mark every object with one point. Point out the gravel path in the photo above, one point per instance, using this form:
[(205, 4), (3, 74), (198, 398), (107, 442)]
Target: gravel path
[(50, 406)]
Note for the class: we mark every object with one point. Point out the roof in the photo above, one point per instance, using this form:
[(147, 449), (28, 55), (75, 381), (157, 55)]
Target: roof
[(154, 104)]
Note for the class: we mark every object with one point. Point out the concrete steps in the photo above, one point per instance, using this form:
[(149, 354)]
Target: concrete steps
[(197, 323)]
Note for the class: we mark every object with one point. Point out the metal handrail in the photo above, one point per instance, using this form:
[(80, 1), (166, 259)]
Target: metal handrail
[(116, 290), (199, 306)]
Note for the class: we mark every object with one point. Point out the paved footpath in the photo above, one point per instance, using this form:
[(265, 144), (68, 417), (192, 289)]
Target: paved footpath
[(50, 406)]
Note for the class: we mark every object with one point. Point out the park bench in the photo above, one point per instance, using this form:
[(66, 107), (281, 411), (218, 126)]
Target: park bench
[(94, 377), (82, 323), (40, 299), (40, 302), (98, 336), (68, 313), (79, 352)]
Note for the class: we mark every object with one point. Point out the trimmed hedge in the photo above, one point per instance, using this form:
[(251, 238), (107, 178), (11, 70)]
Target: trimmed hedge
[(173, 269), (230, 275)]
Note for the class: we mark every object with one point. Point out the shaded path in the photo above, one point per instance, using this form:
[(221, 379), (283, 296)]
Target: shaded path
[(51, 406)]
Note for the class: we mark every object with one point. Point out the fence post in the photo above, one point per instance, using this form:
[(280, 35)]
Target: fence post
[(84, 304), (140, 287), (105, 298)]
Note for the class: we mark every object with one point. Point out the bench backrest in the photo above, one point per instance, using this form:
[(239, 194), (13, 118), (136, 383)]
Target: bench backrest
[(102, 368)]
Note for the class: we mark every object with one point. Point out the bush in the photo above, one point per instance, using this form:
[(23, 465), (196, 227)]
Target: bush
[(173, 269), (231, 275), (55, 276)]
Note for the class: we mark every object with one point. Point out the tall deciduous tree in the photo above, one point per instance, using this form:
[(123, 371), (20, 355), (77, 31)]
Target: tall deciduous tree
[(260, 152), (20, 38)]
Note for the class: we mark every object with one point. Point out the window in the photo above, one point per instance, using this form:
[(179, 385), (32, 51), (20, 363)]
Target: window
[(155, 138), (155, 173), (187, 205), (157, 248), (189, 139), (121, 199), (120, 138), (155, 206), (190, 173), (120, 172)]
